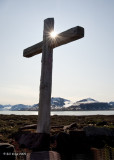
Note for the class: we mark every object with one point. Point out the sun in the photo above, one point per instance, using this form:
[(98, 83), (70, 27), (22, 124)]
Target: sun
[(53, 34)]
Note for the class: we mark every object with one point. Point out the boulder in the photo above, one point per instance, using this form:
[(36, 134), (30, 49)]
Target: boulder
[(70, 127), (34, 141), (98, 131), (99, 137), (64, 145), (32, 126), (103, 123), (79, 143)]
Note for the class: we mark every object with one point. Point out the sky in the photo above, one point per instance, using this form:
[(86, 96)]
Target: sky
[(81, 69)]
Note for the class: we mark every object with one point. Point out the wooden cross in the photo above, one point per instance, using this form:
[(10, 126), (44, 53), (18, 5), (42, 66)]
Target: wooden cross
[(46, 47)]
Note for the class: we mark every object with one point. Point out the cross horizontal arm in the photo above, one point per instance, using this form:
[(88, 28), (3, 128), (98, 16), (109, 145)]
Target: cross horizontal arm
[(61, 39)]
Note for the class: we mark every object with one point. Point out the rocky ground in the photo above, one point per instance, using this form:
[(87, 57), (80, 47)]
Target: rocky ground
[(69, 134)]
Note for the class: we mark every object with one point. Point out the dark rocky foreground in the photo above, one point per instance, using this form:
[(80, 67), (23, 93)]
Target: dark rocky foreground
[(74, 137)]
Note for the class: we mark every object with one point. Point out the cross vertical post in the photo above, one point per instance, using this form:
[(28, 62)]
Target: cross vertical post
[(46, 48), (46, 79)]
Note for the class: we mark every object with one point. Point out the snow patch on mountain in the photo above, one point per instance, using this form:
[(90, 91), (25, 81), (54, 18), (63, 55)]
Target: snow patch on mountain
[(57, 102), (68, 103), (85, 101)]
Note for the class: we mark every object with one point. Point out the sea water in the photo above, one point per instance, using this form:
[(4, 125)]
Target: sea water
[(62, 113)]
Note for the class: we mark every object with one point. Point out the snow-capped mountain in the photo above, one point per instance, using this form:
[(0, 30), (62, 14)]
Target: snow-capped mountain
[(20, 107), (89, 104), (5, 107), (58, 103)]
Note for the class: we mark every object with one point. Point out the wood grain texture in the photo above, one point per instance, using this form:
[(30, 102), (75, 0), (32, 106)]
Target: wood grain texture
[(62, 38), (46, 80)]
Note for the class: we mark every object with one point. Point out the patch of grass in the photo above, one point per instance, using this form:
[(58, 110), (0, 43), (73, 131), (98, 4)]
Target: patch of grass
[(10, 124)]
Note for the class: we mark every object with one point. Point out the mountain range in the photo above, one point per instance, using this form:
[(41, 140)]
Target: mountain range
[(62, 104)]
